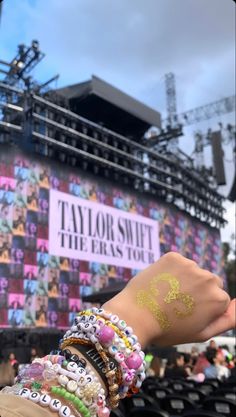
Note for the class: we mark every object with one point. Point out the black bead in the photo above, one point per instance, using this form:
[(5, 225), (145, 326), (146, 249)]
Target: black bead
[(67, 353), (74, 358), (82, 362)]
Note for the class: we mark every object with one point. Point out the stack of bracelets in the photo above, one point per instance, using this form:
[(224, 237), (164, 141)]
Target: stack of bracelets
[(66, 382)]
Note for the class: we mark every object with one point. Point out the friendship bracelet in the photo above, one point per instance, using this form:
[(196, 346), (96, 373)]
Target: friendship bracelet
[(45, 400)]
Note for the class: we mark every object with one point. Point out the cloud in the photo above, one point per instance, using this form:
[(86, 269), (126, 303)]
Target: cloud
[(132, 44)]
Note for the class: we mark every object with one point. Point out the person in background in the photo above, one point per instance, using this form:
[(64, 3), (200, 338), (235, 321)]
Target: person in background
[(188, 364), (201, 364), (33, 354), (194, 354), (14, 363), (6, 373), (175, 366), (216, 369)]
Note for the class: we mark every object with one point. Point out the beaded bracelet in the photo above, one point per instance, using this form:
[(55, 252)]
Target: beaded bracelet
[(97, 325), (45, 400), (109, 372), (73, 380)]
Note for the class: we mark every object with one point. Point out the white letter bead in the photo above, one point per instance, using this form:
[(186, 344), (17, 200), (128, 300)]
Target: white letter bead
[(24, 392), (92, 319), (55, 405), (80, 371), (34, 396), (72, 366), (121, 324), (74, 328), (44, 400), (106, 314), (62, 379), (64, 411), (128, 331), (82, 382), (72, 386), (93, 338), (114, 318), (88, 327), (88, 379)]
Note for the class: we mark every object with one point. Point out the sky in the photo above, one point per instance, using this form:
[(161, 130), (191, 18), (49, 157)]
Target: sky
[(132, 44)]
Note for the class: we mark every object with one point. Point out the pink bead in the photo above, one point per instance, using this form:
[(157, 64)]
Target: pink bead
[(134, 361), (103, 412), (106, 334)]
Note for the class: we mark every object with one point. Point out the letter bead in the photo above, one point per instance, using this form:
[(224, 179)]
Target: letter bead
[(80, 371), (24, 392), (72, 386), (62, 379), (55, 405), (72, 366), (34, 396), (64, 411), (44, 400)]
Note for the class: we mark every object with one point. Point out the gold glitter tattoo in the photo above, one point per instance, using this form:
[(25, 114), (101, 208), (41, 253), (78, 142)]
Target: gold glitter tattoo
[(145, 299)]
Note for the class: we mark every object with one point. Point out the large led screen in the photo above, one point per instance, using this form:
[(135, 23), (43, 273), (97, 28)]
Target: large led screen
[(64, 234)]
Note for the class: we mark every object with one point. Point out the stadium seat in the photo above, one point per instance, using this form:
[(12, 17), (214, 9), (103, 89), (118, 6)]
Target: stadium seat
[(213, 381), (147, 412), (229, 393), (177, 386), (220, 405), (159, 392), (202, 413), (139, 400), (194, 394), (176, 404), (206, 388)]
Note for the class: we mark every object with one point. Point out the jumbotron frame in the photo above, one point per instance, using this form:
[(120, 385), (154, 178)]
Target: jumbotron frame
[(45, 125)]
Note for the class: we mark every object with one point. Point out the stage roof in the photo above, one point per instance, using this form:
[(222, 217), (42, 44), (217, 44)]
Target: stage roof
[(104, 104)]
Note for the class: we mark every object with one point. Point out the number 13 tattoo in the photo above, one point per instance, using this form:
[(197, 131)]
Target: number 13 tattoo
[(146, 299)]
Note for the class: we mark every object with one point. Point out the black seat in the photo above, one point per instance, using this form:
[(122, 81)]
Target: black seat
[(177, 404), (202, 413), (213, 381), (147, 412), (206, 388), (149, 387), (139, 400), (177, 386), (159, 392), (194, 394), (229, 393), (220, 405)]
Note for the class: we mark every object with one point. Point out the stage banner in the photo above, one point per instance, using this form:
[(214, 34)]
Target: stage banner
[(87, 230)]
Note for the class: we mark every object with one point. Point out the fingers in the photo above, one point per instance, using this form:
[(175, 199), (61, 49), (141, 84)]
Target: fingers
[(226, 321)]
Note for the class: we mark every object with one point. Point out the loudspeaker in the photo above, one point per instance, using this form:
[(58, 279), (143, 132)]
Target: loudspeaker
[(218, 154)]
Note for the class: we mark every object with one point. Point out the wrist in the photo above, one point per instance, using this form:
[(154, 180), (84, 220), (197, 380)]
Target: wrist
[(142, 322)]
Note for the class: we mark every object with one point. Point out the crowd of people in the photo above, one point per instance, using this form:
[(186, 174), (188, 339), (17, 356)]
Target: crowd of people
[(216, 362)]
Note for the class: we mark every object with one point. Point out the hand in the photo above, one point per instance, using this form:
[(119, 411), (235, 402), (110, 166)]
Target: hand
[(181, 303)]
